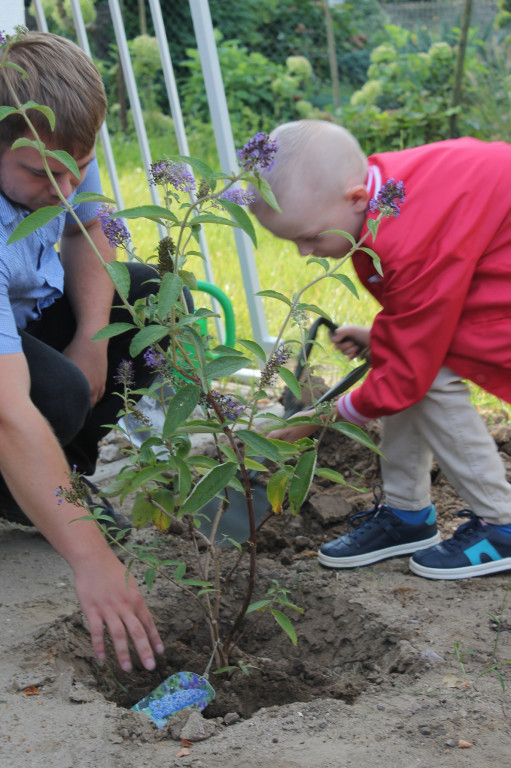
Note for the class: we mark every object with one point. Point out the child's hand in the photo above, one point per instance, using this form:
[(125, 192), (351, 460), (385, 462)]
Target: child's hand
[(292, 434), (351, 340)]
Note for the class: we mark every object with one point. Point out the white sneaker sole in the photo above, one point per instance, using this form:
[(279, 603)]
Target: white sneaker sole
[(381, 554), (467, 572)]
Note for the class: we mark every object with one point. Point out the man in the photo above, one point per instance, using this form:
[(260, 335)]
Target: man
[(57, 384)]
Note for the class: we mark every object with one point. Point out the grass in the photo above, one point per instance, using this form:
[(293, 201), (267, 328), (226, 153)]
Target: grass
[(278, 264)]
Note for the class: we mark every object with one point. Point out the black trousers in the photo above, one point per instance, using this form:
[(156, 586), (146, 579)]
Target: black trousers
[(58, 387)]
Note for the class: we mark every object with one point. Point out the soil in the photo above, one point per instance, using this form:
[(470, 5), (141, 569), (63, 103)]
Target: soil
[(389, 670)]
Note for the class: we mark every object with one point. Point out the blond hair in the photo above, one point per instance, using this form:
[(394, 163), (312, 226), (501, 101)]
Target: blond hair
[(315, 158), (60, 76)]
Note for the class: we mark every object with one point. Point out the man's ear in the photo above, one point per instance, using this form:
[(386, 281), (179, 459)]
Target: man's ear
[(358, 197)]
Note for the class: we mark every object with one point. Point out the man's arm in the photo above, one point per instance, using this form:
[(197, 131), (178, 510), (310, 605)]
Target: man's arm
[(33, 466), (90, 292)]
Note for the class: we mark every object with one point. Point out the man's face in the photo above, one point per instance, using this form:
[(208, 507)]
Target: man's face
[(24, 181)]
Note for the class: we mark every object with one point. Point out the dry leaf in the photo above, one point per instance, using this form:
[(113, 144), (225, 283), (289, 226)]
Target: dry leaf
[(183, 752), (186, 743), (31, 690), (464, 744), (453, 681)]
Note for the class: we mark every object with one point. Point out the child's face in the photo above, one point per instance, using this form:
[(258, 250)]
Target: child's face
[(308, 226)]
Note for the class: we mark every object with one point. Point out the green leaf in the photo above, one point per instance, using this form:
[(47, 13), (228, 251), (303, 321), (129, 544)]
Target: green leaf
[(258, 445), (12, 65), (375, 258), (224, 366), (149, 577), (24, 142), (253, 347), (152, 212), (115, 329), (65, 158), (264, 189), (372, 226), (179, 408), (208, 487), (340, 232), (345, 280), (92, 197), (355, 433), (34, 221), (168, 293), (301, 480), (313, 308), (47, 112), (277, 487), (331, 474), (322, 262), (275, 295), (120, 277), (5, 111), (146, 337), (141, 511), (260, 605), (241, 217), (286, 624), (290, 380), (211, 218)]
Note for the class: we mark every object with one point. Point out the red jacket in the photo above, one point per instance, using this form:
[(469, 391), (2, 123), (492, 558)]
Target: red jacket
[(446, 286)]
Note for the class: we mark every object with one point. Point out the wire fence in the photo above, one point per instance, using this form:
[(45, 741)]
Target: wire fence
[(440, 15)]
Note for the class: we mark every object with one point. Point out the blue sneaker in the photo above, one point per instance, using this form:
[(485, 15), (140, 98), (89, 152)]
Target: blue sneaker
[(382, 535), (475, 549)]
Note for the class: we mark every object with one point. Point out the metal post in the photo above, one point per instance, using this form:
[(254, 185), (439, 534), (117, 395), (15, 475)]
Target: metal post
[(225, 145)]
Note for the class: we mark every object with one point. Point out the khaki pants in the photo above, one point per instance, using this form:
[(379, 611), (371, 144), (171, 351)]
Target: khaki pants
[(446, 426)]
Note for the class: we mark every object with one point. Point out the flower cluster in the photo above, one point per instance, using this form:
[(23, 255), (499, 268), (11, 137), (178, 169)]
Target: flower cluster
[(155, 360), (239, 196), (166, 249), (125, 374), (389, 199), (3, 37), (114, 230), (258, 152), (176, 174), (278, 358), (230, 407), (76, 493)]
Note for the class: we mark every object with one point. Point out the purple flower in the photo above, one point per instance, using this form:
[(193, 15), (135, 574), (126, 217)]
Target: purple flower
[(114, 230), (279, 358), (155, 360), (230, 407), (239, 196), (175, 174), (125, 374), (258, 152), (3, 37), (389, 199)]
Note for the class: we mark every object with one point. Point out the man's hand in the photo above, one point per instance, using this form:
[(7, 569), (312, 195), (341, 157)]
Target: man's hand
[(109, 599), (91, 358)]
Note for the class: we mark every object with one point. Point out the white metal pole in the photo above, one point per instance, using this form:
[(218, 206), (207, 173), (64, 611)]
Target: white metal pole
[(131, 86), (12, 14), (203, 25), (103, 133)]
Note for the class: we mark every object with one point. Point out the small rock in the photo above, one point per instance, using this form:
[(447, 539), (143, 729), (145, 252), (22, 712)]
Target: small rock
[(197, 728), (231, 717)]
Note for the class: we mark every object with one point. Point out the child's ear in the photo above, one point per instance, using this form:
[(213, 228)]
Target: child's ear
[(358, 197)]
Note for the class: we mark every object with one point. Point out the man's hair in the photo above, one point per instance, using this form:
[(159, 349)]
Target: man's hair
[(60, 76), (314, 158)]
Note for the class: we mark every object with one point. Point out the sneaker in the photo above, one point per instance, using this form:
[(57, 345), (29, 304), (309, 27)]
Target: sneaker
[(382, 535), (475, 549)]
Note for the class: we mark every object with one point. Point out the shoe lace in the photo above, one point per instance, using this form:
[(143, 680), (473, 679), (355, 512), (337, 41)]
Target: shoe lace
[(370, 514), (465, 530)]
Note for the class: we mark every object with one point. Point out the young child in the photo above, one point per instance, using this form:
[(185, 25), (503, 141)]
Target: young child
[(446, 316)]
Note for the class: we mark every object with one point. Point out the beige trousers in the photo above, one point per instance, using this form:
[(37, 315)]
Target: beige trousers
[(444, 425)]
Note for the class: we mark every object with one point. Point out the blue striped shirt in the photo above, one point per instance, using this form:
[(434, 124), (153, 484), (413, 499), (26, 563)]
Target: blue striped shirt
[(31, 275)]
